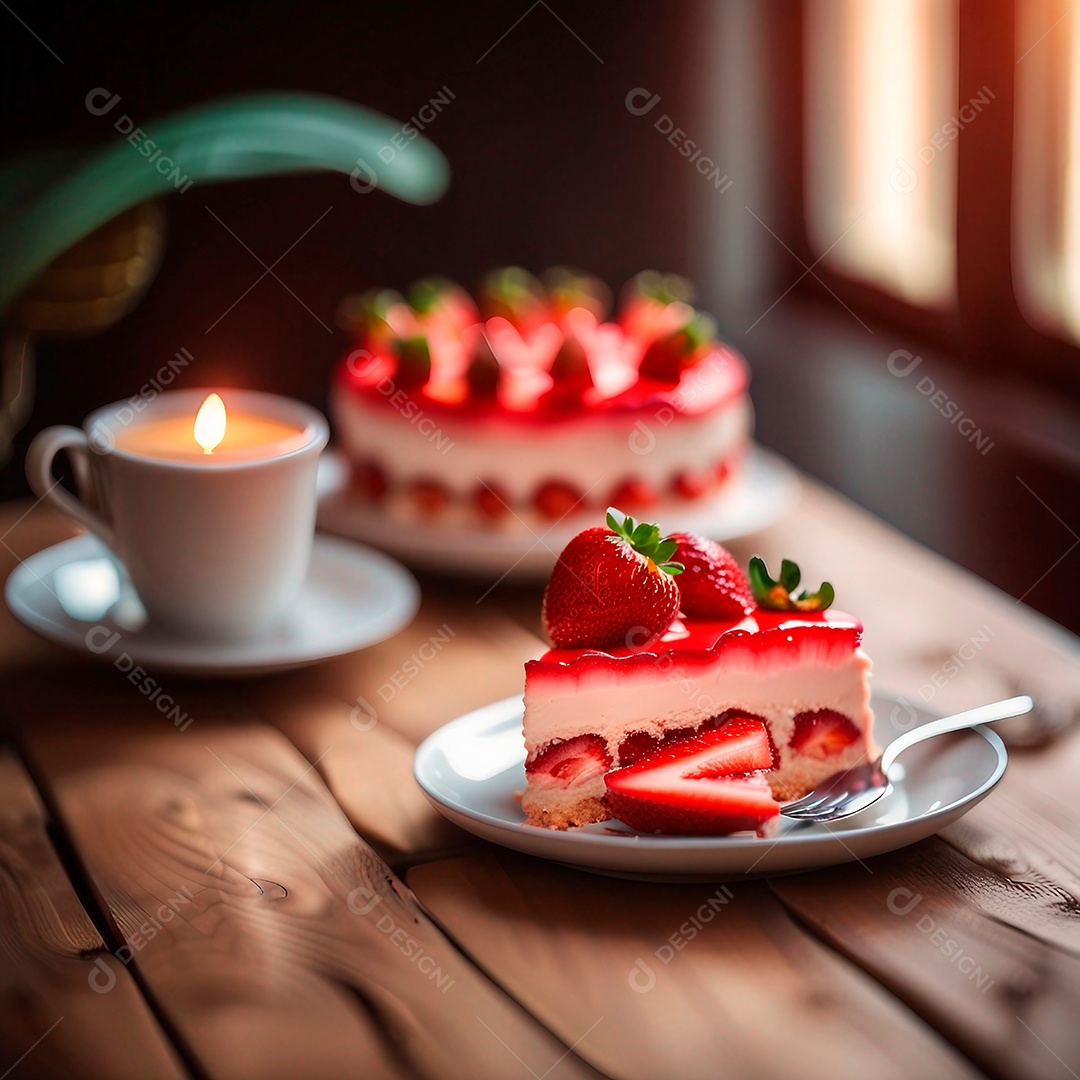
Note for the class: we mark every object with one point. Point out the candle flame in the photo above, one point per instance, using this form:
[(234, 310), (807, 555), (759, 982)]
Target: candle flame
[(210, 423)]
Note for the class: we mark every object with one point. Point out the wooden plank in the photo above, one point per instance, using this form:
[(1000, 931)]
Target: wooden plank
[(952, 939), (369, 771), (374, 707), (293, 950), (679, 980), (456, 656), (1027, 837), (61, 1013)]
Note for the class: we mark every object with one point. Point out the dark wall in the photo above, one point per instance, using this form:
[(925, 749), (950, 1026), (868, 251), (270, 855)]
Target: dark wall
[(548, 166)]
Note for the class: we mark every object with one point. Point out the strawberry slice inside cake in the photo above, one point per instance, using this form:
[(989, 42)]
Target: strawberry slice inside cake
[(694, 724), (699, 784)]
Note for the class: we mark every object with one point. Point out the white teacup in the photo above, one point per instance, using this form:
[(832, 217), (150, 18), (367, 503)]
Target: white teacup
[(215, 544)]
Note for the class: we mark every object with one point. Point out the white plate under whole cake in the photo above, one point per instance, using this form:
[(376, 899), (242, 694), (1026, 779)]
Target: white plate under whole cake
[(473, 769), (761, 493)]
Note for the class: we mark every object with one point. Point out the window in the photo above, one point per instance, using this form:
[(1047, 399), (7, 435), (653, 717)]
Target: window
[(1047, 156), (881, 115), (941, 168)]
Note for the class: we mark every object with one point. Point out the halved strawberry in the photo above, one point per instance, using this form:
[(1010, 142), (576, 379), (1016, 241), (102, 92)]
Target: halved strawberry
[(698, 807), (698, 785), (438, 299), (484, 371), (713, 585), (692, 485), (516, 295), (741, 745), (413, 362), (370, 479), (429, 496), (568, 289), (666, 358), (729, 715), (572, 761), (638, 744), (822, 733), (634, 492), (555, 499), (491, 502)]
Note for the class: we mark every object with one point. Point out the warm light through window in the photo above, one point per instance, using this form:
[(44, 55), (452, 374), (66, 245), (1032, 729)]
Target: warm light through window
[(1047, 140), (883, 122)]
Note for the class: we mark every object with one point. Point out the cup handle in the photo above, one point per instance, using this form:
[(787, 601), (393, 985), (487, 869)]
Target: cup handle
[(39, 462)]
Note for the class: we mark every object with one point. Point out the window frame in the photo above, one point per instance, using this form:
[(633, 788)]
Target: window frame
[(985, 330)]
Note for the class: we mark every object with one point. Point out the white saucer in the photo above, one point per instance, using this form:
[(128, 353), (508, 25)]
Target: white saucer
[(472, 768), (762, 493), (74, 594)]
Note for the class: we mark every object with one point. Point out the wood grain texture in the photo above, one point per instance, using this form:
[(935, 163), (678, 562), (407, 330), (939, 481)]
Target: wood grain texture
[(374, 707), (675, 981), (51, 987), (272, 937), (456, 656), (948, 936), (1027, 839), (369, 771)]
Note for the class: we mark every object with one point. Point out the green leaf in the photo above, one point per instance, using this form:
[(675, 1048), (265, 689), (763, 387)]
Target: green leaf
[(779, 595), (426, 293), (700, 330), (817, 601), (789, 575), (644, 536), (760, 581), (665, 549)]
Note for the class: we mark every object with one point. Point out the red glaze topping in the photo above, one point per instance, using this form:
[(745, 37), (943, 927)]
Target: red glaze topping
[(546, 351), (720, 378), (697, 644)]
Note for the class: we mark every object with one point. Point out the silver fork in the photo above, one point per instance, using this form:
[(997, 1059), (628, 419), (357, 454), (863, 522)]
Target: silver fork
[(855, 789)]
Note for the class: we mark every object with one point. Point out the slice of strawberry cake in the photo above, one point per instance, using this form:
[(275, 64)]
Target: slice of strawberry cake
[(678, 696)]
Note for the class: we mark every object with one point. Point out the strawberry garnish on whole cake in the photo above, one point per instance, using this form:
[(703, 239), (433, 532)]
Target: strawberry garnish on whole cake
[(667, 357), (541, 390), (682, 695)]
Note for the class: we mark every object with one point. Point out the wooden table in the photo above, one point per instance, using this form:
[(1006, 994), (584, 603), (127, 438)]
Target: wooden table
[(266, 893)]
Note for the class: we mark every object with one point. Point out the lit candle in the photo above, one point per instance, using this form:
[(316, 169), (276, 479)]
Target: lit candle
[(210, 423), (213, 435)]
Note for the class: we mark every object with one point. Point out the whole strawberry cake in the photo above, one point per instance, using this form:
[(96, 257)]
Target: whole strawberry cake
[(531, 403), (681, 695)]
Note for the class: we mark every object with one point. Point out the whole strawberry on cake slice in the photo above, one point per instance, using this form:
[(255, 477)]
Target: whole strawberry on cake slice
[(682, 695)]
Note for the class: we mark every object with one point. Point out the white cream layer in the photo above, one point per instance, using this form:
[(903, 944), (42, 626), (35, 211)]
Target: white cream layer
[(601, 450), (654, 703)]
